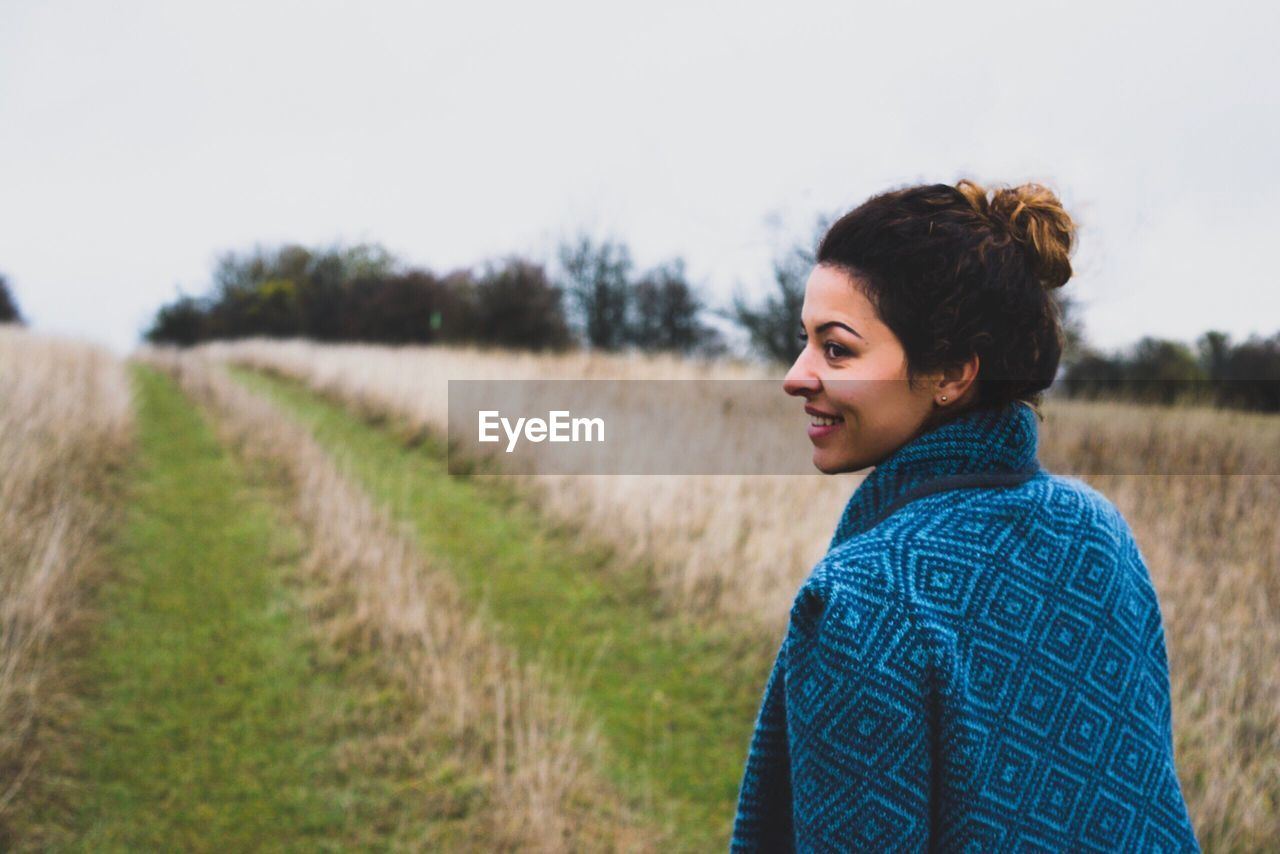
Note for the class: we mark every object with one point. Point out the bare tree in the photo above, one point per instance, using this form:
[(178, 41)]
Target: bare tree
[(596, 284), (666, 313), (773, 325), (9, 312)]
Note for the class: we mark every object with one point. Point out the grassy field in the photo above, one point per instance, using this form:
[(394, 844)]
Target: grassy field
[(234, 696), (65, 429), (215, 714), (525, 745), (677, 698), (721, 553), (299, 632)]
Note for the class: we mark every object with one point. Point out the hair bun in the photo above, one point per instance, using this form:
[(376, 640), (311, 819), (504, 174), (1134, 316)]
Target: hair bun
[(1034, 217)]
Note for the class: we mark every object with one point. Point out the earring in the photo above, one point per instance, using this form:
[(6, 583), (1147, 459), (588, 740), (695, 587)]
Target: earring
[(944, 398)]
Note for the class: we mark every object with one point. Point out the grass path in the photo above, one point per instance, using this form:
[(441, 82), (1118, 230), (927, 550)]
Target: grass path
[(677, 701), (214, 720)]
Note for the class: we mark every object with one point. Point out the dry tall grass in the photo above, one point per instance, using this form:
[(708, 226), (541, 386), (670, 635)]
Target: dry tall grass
[(741, 546), (717, 543), (65, 419), (374, 592)]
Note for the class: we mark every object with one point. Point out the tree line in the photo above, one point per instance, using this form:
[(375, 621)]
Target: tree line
[(597, 299), (8, 305), (1218, 372)]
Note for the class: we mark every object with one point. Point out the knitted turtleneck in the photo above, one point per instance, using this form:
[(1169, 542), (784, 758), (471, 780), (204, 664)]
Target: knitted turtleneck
[(982, 447), (977, 664)]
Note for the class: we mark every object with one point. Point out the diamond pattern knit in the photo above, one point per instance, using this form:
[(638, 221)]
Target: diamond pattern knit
[(977, 664)]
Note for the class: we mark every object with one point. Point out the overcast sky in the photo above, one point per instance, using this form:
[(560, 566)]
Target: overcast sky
[(140, 139)]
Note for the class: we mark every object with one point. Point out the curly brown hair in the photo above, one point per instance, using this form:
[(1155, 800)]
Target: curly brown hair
[(954, 271)]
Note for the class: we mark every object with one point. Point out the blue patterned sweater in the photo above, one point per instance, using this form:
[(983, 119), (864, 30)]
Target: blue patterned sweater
[(977, 664)]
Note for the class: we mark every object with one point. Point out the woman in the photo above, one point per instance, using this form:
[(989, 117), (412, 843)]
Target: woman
[(978, 663)]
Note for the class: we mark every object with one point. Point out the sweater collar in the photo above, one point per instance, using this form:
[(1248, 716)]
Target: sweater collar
[(982, 447)]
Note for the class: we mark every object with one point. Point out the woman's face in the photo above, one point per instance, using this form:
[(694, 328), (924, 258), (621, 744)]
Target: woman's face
[(853, 369)]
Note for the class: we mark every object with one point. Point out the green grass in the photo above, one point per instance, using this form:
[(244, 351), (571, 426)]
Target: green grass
[(677, 700), (216, 721)]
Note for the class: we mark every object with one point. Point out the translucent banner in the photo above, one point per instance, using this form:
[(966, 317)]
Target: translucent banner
[(738, 427)]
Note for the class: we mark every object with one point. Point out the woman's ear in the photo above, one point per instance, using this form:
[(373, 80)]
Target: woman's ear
[(955, 382)]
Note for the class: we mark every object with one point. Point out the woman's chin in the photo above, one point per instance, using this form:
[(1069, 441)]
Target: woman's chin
[(829, 463)]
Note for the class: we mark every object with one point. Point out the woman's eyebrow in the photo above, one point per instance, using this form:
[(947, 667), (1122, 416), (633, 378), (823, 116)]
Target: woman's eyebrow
[(831, 323)]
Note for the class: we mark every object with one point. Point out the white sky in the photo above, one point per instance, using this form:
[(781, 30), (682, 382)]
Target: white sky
[(139, 139)]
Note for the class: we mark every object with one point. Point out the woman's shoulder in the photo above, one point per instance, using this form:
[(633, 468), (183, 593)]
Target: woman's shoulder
[(1047, 500), (963, 514), (933, 548), (1075, 497)]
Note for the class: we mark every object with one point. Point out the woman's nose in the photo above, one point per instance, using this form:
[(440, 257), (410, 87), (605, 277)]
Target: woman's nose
[(801, 380)]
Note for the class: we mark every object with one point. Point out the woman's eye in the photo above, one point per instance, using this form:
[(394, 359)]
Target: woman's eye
[(831, 348)]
